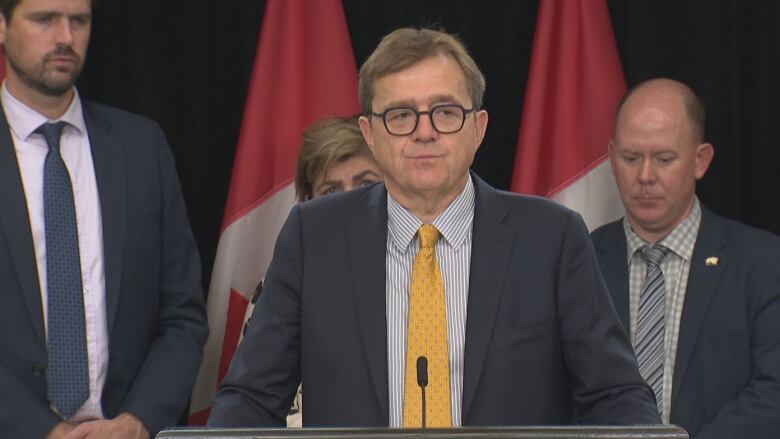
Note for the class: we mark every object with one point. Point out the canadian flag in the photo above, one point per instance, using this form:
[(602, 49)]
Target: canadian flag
[(304, 69), (574, 85)]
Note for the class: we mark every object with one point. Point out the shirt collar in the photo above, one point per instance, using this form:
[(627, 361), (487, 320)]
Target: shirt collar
[(454, 223), (681, 241), (23, 120)]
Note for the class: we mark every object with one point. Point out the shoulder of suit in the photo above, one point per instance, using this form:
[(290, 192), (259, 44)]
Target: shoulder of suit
[(525, 212), (602, 231), (531, 203), (740, 234), (520, 199), (341, 201), (115, 116)]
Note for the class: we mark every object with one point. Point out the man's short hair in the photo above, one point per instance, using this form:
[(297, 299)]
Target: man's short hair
[(327, 141), (7, 7), (404, 47), (694, 107)]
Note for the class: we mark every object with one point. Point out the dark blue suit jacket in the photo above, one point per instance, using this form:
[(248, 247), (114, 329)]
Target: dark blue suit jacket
[(543, 344), (727, 374), (155, 313)]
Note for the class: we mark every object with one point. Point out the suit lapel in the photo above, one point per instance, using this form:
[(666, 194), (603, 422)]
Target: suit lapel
[(109, 160), (15, 223), (491, 245), (703, 280), (367, 246), (613, 260)]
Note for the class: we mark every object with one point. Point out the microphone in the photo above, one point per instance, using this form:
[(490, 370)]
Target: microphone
[(422, 381)]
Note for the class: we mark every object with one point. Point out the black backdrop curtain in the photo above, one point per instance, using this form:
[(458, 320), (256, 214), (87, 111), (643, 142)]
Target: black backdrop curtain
[(186, 64)]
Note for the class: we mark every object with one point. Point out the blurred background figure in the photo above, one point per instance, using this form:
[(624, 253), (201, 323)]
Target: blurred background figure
[(334, 158)]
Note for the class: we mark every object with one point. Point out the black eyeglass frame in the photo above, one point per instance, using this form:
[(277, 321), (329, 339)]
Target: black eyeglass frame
[(417, 114)]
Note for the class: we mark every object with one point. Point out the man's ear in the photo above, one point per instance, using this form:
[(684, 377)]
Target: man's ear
[(480, 122), (368, 133), (704, 154), (611, 152)]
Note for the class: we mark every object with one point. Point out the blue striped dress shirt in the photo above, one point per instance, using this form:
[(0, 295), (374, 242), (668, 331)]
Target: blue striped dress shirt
[(453, 252)]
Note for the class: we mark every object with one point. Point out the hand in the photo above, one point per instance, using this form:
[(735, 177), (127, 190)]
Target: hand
[(60, 430), (124, 426)]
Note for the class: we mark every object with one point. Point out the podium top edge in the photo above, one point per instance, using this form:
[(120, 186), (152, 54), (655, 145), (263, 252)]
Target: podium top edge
[(530, 432)]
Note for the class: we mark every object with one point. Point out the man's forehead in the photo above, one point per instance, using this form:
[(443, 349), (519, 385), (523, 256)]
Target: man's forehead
[(436, 79), (649, 141), (69, 6), (652, 122), (652, 117), (423, 100)]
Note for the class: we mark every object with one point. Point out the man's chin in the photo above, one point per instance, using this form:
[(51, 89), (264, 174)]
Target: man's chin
[(653, 222), (57, 82), (55, 88)]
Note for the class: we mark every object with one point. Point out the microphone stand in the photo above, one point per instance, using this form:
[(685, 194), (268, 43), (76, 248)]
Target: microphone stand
[(422, 381), (422, 389)]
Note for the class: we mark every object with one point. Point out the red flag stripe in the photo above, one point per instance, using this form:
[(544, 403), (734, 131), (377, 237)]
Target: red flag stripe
[(200, 417), (575, 82), (304, 69), (233, 327)]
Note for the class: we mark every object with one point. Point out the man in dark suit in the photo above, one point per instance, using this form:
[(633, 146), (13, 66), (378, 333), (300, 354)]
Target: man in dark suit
[(101, 316), (716, 318), (341, 303)]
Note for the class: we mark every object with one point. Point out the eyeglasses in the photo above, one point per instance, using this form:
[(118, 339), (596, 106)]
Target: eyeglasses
[(446, 119)]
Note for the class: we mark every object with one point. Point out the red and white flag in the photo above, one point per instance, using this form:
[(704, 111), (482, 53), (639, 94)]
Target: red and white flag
[(574, 85), (304, 69)]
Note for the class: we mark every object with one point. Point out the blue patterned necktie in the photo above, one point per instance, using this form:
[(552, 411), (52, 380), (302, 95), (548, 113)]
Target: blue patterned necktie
[(67, 372), (650, 327)]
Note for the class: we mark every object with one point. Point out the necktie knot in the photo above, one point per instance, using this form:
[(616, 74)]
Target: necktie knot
[(429, 235), (654, 254), (52, 132)]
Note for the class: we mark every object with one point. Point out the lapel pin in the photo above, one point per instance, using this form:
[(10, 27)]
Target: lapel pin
[(711, 261)]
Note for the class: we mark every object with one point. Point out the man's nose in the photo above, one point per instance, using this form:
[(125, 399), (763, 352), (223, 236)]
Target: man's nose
[(647, 172), (64, 32), (425, 130)]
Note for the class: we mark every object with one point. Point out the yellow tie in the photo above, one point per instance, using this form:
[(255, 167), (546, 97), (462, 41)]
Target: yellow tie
[(427, 336)]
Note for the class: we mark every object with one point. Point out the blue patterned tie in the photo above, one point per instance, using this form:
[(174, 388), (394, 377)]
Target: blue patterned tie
[(67, 372), (650, 327)]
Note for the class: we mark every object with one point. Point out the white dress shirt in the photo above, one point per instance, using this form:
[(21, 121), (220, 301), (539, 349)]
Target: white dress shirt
[(31, 150)]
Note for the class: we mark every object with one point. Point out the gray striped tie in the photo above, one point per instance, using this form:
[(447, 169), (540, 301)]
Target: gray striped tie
[(650, 327)]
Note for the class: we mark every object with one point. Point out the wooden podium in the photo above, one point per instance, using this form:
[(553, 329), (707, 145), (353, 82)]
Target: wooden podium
[(634, 432)]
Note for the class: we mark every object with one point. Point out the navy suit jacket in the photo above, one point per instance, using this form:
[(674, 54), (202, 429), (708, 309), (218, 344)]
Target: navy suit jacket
[(543, 344), (727, 372), (154, 302)]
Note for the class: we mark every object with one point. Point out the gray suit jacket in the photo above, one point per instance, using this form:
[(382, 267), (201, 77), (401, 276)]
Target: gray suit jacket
[(155, 313), (543, 344), (727, 373)]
